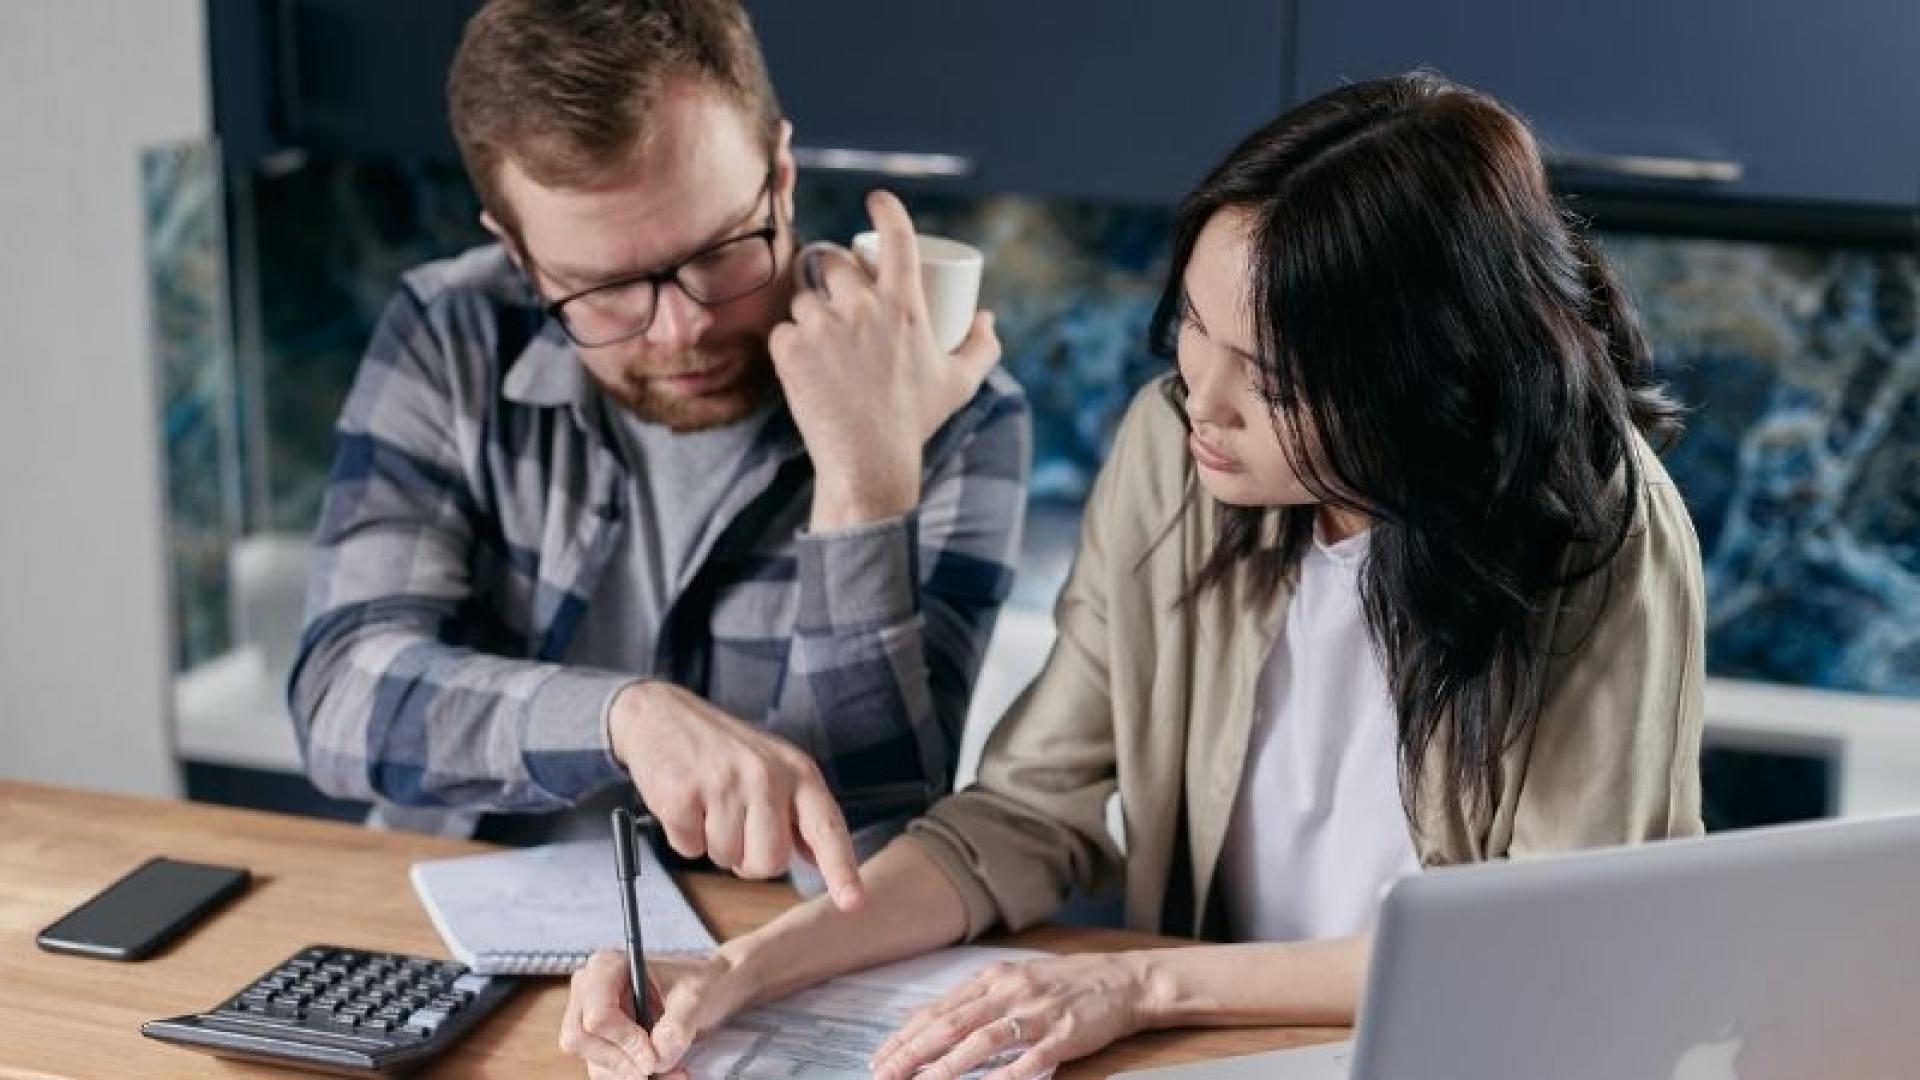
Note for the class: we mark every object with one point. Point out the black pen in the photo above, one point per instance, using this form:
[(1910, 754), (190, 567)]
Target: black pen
[(626, 867), (902, 797)]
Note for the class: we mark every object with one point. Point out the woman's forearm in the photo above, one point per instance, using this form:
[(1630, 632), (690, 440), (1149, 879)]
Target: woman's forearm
[(1066, 1007), (1308, 983), (910, 908)]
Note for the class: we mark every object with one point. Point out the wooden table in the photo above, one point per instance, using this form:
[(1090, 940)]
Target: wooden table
[(314, 881)]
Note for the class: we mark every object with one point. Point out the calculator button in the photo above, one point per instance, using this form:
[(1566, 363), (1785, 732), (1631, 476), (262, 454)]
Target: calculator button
[(342, 1025), (426, 1021)]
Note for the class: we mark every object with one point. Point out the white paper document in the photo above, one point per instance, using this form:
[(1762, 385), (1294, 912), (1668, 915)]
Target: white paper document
[(829, 1031)]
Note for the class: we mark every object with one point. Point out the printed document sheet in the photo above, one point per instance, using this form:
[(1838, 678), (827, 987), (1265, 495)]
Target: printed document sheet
[(828, 1032)]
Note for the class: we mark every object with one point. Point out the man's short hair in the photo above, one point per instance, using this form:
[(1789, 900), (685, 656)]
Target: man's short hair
[(564, 87)]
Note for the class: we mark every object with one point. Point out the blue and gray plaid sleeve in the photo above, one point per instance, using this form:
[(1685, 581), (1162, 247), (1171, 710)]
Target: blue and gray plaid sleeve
[(385, 703), (409, 689), (894, 617)]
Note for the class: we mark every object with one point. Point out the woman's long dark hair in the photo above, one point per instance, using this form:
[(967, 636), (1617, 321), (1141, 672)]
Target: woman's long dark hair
[(1474, 378)]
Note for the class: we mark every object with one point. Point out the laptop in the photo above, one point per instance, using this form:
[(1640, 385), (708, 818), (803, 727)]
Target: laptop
[(1769, 954)]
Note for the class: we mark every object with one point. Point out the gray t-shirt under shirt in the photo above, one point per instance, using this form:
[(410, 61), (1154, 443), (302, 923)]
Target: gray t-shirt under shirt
[(678, 484)]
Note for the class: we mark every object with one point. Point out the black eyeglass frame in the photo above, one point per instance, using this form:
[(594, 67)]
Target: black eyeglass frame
[(766, 234)]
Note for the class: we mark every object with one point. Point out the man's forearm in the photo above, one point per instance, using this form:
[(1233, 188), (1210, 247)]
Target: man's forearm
[(894, 614), (390, 713), (859, 662)]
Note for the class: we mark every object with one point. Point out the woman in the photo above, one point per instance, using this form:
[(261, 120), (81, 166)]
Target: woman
[(1386, 577)]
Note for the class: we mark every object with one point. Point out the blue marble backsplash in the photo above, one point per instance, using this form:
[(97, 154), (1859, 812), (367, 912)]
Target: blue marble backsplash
[(199, 429), (1801, 464)]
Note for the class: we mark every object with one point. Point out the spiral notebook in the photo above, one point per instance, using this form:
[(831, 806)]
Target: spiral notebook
[(544, 910)]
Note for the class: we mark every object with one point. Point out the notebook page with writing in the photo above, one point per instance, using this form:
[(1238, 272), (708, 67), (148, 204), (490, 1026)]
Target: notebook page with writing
[(544, 910)]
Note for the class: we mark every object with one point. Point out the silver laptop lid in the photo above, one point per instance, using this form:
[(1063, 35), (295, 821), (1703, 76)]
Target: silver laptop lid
[(1773, 954)]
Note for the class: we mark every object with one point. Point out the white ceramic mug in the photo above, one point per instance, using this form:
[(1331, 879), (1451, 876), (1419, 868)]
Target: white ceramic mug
[(949, 275)]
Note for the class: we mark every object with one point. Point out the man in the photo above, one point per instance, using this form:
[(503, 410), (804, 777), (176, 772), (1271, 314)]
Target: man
[(601, 520)]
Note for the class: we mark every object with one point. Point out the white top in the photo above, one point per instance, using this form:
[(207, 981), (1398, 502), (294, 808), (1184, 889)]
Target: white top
[(1318, 830)]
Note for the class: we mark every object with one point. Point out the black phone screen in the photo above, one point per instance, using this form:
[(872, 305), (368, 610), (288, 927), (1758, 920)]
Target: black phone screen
[(135, 916)]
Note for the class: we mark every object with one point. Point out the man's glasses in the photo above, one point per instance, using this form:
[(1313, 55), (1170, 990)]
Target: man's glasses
[(622, 309)]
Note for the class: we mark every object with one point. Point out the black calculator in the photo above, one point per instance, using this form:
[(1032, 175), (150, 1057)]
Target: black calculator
[(345, 1011)]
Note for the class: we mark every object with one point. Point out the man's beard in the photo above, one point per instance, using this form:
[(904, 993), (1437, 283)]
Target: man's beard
[(752, 386)]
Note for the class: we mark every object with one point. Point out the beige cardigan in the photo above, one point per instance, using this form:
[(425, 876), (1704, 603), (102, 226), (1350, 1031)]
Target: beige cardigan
[(1156, 700)]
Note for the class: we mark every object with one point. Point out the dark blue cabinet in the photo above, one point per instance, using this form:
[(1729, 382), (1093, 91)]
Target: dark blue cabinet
[(1118, 99), (1772, 99), (1132, 99), (354, 77)]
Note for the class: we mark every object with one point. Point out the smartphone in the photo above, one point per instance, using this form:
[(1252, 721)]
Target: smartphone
[(133, 918)]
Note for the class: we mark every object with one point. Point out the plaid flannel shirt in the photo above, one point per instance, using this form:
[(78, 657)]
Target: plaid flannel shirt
[(473, 505)]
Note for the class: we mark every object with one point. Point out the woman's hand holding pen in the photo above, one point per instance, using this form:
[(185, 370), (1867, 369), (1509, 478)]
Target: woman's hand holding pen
[(599, 1028), (912, 907)]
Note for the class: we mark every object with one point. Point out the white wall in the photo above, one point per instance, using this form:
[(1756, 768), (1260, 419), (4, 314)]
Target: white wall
[(84, 669)]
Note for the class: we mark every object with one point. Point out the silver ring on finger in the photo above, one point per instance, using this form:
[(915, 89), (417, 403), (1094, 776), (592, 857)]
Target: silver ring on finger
[(1013, 1022)]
